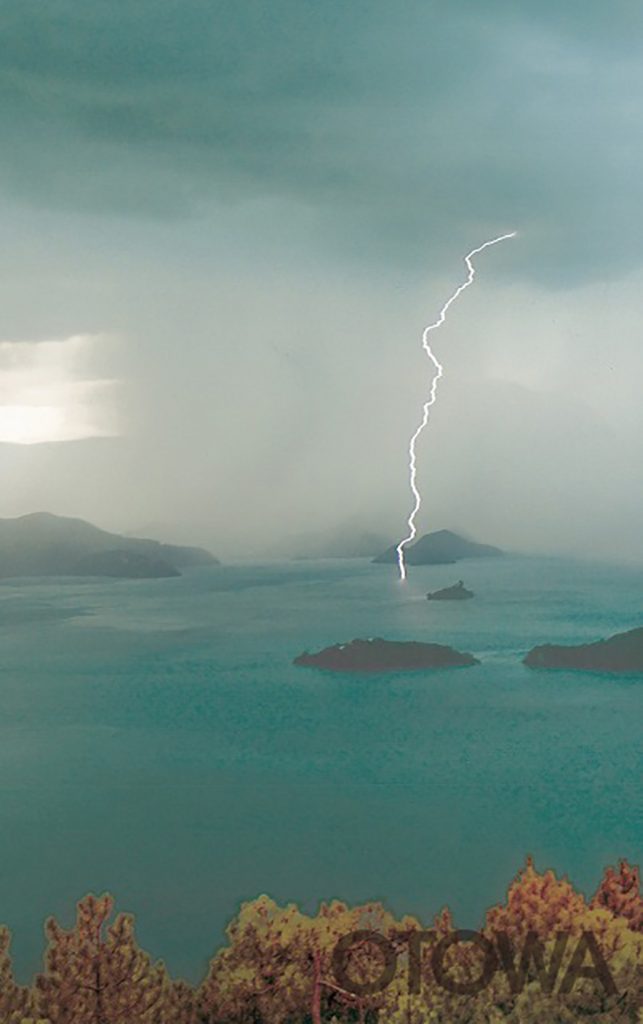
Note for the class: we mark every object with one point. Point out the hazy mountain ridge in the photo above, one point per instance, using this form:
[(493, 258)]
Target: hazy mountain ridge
[(44, 544), (338, 542)]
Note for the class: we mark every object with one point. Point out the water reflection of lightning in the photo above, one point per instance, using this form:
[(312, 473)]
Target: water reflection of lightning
[(471, 273)]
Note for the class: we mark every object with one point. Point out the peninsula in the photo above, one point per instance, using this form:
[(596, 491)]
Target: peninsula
[(621, 653), (43, 544)]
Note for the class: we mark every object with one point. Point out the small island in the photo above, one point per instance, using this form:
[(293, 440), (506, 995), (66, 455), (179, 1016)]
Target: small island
[(377, 655), (442, 547), (457, 592), (621, 653)]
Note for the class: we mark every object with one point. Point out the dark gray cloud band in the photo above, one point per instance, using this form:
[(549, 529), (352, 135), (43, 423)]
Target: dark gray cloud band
[(401, 126)]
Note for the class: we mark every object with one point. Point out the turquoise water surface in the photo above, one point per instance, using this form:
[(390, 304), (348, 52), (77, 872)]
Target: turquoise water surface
[(156, 741)]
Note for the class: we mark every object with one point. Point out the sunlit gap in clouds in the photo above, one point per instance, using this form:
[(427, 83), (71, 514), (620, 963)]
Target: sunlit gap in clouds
[(47, 393)]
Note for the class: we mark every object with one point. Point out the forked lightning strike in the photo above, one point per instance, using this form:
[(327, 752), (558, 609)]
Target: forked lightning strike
[(471, 273)]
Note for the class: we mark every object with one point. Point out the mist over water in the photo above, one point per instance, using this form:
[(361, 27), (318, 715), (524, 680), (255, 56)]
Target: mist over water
[(290, 409), (156, 741)]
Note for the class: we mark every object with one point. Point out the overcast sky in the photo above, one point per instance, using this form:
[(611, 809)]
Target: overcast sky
[(225, 225)]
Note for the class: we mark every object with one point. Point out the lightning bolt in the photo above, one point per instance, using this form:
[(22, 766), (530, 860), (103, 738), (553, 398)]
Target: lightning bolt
[(439, 372)]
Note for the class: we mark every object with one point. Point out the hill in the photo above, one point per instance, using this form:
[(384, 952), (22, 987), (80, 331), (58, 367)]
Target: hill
[(622, 652), (442, 547), (43, 544), (377, 655)]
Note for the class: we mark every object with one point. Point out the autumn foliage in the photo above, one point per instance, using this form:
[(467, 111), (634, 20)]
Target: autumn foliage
[(550, 957)]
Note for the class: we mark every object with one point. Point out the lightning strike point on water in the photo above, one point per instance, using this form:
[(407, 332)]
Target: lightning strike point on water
[(439, 372)]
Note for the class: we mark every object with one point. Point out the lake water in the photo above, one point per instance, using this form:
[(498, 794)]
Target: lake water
[(156, 741)]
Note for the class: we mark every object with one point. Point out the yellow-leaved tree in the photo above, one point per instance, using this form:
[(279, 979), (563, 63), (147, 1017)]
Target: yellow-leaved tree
[(15, 1001), (544, 955), (96, 973), (279, 967)]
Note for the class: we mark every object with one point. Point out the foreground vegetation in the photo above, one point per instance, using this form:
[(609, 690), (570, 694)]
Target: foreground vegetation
[(281, 966)]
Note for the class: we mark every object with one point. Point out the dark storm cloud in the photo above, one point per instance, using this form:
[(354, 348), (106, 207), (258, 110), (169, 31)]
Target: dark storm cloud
[(401, 125)]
